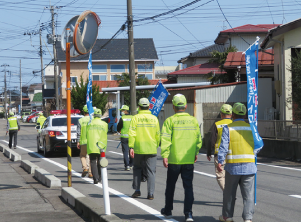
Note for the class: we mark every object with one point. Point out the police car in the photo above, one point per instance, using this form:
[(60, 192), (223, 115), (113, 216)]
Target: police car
[(52, 136)]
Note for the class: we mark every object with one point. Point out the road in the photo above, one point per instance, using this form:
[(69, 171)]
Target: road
[(278, 185)]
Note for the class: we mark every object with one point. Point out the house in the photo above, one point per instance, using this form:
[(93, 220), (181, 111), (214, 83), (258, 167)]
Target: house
[(109, 62), (285, 40), (33, 89), (162, 71)]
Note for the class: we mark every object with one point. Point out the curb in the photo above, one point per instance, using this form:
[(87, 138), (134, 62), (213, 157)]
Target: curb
[(10, 154), (86, 207), (28, 166), (46, 178)]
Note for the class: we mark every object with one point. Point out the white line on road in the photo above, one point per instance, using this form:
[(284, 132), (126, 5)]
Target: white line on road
[(205, 174), (297, 196), (288, 168), (115, 192)]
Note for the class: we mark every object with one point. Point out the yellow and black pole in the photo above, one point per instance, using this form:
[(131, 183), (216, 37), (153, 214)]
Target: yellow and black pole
[(68, 89)]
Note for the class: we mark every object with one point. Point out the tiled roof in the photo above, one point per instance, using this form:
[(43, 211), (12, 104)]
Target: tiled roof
[(235, 59), (251, 28), (207, 86), (35, 86), (200, 69), (117, 49), (37, 97)]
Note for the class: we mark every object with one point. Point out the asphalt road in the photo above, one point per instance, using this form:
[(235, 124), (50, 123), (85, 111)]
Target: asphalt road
[(278, 185)]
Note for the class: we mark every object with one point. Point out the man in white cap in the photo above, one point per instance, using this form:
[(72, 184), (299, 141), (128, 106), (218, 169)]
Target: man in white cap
[(144, 139)]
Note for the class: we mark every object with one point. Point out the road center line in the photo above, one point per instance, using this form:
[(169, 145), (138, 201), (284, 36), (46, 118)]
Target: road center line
[(115, 192), (297, 196)]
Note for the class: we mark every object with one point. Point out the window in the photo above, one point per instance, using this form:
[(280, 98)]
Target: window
[(99, 77), (73, 80), (148, 76), (145, 67), (117, 68), (114, 77), (63, 121), (99, 68)]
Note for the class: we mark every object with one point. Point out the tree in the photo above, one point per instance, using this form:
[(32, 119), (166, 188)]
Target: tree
[(78, 96), (220, 59), (124, 80), (294, 97)]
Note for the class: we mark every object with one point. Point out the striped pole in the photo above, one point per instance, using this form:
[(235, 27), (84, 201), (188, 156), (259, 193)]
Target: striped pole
[(68, 89)]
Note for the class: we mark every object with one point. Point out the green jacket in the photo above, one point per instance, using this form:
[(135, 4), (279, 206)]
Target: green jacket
[(13, 123), (83, 127), (180, 139), (41, 120), (96, 132), (126, 119), (144, 133)]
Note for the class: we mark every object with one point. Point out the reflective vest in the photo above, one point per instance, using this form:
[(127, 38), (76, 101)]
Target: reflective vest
[(83, 129), (96, 132), (13, 123), (241, 145), (144, 133), (41, 120), (181, 139), (219, 126), (126, 125)]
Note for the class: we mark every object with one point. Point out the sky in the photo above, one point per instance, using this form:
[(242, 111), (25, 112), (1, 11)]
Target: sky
[(175, 35)]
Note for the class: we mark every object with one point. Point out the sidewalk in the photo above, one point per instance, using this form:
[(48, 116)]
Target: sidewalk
[(22, 198)]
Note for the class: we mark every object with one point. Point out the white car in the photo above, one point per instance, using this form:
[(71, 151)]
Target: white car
[(52, 137)]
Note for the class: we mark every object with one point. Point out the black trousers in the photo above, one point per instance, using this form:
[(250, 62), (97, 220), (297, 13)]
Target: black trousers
[(127, 159), (95, 166), (13, 133)]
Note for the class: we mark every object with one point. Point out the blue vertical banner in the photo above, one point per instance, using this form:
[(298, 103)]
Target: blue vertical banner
[(252, 84), (157, 98), (89, 88)]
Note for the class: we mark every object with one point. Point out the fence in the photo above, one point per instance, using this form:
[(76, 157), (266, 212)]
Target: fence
[(274, 129)]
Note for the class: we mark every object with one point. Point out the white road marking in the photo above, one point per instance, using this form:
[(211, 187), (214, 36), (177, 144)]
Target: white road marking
[(297, 196), (115, 192), (205, 174), (114, 141), (288, 168)]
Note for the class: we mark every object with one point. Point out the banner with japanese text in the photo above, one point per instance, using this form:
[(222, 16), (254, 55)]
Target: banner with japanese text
[(89, 88), (252, 85), (157, 99)]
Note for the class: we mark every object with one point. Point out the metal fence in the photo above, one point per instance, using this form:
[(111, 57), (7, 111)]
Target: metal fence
[(274, 129)]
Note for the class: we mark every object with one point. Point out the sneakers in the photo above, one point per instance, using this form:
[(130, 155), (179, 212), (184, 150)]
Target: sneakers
[(15, 147), (167, 215), (127, 168), (90, 175), (150, 196), (188, 217), (136, 194), (247, 221), (85, 172), (227, 219)]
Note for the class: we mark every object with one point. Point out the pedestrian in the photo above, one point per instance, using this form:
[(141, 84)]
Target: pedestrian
[(96, 132), (82, 142), (123, 128), (144, 139), (237, 147), (13, 127), (180, 144), (215, 141), (41, 120)]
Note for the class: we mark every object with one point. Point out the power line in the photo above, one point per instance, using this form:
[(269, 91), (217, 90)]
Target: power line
[(270, 11), (230, 24)]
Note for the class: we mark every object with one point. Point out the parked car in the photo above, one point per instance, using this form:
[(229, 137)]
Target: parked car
[(18, 116), (30, 117), (25, 115), (52, 137)]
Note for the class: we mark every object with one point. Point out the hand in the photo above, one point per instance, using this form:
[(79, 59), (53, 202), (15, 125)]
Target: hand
[(196, 158), (78, 146), (209, 158), (132, 153), (165, 162), (219, 167), (6, 132)]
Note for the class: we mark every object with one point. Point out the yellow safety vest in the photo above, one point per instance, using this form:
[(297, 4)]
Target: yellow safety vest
[(219, 126), (241, 146), (83, 128), (126, 125), (13, 124)]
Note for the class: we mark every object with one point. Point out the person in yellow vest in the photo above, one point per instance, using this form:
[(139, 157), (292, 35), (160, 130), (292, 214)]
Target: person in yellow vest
[(96, 133), (237, 148), (181, 141), (13, 127), (215, 140), (82, 142), (144, 139), (41, 120), (123, 128)]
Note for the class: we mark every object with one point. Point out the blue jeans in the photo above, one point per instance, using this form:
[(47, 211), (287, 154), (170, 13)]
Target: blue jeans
[(173, 173), (128, 161)]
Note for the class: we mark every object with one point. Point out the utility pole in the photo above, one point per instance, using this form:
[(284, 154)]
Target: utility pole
[(131, 57), (5, 93), (20, 89), (42, 71)]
